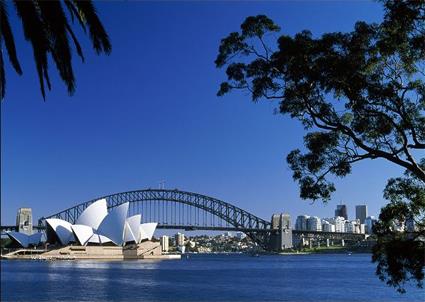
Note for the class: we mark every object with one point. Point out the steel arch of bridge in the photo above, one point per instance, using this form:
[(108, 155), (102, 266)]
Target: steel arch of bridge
[(256, 228)]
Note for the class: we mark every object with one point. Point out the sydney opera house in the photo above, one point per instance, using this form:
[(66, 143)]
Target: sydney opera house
[(97, 233)]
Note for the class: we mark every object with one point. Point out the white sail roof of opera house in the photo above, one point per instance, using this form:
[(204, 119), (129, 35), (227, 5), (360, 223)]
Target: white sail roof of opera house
[(94, 214), (98, 239), (25, 240), (147, 230), (62, 228), (96, 226), (132, 229), (82, 233), (114, 223)]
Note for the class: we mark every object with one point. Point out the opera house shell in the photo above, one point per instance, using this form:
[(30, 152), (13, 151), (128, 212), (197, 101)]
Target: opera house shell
[(95, 226), (25, 240)]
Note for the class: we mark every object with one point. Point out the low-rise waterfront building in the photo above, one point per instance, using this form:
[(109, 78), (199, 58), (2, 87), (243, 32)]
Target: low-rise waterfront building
[(240, 235), (228, 234)]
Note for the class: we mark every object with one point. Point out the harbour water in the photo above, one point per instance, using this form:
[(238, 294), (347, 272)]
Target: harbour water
[(337, 277)]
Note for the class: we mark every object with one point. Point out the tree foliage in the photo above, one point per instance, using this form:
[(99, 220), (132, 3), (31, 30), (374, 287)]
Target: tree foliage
[(46, 27), (400, 250), (360, 95)]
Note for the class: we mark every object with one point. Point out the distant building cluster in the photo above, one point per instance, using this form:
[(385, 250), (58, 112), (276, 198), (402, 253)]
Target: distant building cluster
[(237, 242), (339, 223)]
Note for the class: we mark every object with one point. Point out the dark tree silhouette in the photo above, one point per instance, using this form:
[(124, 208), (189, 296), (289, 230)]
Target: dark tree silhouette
[(361, 95), (46, 27), (400, 256)]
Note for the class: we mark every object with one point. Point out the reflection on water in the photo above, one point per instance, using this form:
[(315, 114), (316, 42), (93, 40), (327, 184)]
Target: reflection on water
[(99, 264), (201, 278)]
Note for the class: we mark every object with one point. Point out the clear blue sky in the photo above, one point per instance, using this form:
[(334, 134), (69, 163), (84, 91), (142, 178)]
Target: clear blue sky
[(149, 112)]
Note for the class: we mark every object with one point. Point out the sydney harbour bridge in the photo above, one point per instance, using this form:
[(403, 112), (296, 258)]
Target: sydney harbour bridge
[(175, 209)]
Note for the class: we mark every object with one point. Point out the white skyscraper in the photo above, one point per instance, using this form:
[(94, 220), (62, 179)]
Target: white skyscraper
[(165, 243), (179, 239), (327, 226), (339, 224), (350, 226)]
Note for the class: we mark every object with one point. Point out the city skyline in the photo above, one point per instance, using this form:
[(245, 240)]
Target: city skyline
[(353, 215), (69, 150)]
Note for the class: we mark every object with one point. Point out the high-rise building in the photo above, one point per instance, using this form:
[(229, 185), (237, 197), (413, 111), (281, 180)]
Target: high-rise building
[(362, 228), (179, 239), (339, 224), (24, 220), (369, 222), (341, 210), (301, 223), (357, 226), (350, 226), (361, 213), (314, 223), (327, 226), (165, 243)]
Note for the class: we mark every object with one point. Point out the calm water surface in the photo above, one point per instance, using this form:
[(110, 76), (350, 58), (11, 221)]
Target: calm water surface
[(201, 278)]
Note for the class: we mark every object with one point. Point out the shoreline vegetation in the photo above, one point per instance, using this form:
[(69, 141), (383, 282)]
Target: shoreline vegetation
[(304, 251), (330, 250)]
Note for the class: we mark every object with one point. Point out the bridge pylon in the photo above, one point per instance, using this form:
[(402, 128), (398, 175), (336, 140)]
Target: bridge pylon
[(281, 232)]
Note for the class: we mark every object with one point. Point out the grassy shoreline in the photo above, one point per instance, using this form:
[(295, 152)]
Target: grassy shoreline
[(330, 250)]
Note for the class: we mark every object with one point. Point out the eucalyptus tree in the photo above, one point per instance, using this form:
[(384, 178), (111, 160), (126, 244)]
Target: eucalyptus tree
[(46, 26), (360, 96)]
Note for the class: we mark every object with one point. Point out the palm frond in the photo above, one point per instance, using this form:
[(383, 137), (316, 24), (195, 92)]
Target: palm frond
[(35, 33), (75, 14), (2, 75), (76, 43), (53, 17), (98, 35), (46, 27), (7, 35)]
